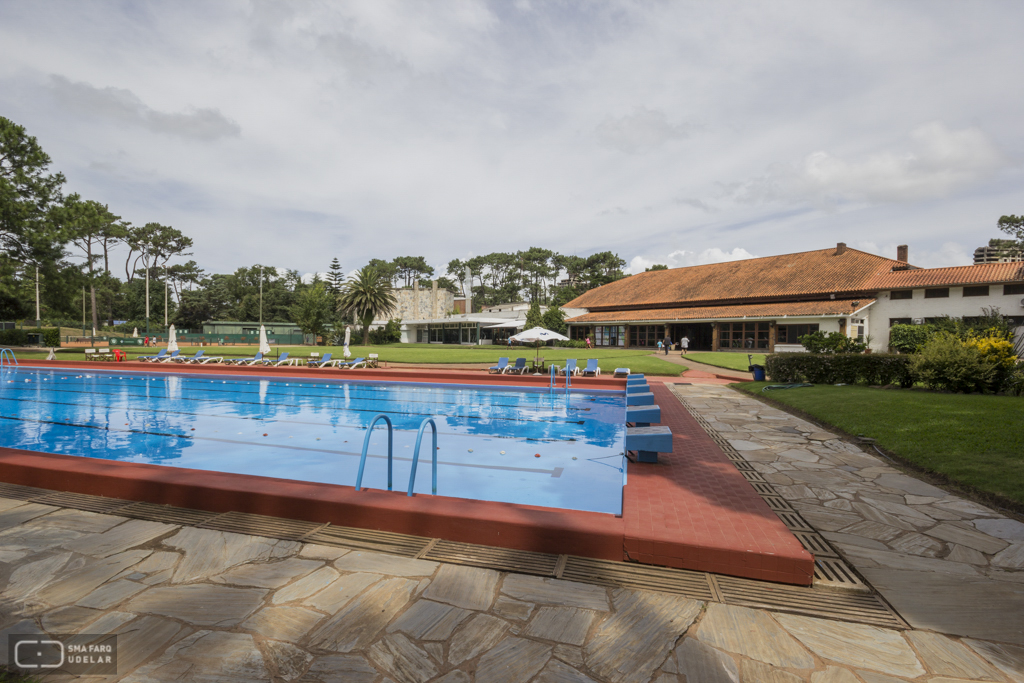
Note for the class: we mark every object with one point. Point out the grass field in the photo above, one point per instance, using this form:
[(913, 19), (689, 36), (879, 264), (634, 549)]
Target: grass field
[(725, 359), (973, 440), (637, 360)]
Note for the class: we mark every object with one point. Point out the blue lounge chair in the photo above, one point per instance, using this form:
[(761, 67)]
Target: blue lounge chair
[(248, 361), (153, 359), (591, 368), (168, 359), (519, 368), (570, 367), (203, 360), (282, 360), (188, 359), (352, 363), (326, 360), (500, 367)]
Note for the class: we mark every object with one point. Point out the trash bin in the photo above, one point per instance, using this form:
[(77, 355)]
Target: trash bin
[(758, 371)]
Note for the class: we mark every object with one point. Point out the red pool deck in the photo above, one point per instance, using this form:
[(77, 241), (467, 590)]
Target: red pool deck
[(693, 510)]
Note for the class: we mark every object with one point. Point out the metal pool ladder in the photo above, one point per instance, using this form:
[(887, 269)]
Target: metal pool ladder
[(9, 355), (391, 443), (553, 380)]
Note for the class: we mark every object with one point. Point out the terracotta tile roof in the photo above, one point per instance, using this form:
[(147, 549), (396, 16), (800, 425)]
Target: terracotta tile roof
[(957, 275), (767, 310), (805, 273)]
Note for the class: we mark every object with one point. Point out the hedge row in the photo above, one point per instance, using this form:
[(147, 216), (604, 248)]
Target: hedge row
[(843, 368), (20, 336)]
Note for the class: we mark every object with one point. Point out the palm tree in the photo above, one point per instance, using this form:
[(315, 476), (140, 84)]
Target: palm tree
[(367, 295)]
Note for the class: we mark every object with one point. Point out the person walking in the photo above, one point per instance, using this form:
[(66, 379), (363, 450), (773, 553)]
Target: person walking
[(685, 344), (660, 344), (589, 345), (668, 345)]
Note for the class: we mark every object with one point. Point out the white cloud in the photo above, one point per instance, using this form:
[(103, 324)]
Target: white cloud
[(681, 258), (642, 131), (937, 161), (122, 106)]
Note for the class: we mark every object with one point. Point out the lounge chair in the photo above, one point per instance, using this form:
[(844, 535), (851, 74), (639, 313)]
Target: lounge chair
[(248, 361), (283, 360), (325, 361), (518, 369), (500, 367), (153, 359), (189, 359), (168, 359), (203, 360), (352, 363), (90, 354), (591, 368), (570, 367)]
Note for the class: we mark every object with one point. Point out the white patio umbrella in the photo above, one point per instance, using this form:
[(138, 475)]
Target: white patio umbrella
[(348, 335), (264, 344), (172, 340), (135, 333), (537, 335)]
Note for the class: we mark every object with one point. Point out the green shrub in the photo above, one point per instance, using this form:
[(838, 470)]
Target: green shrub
[(909, 338), (572, 344), (948, 364), (391, 333), (839, 368), (15, 337), (833, 342), (1014, 384), (51, 336)]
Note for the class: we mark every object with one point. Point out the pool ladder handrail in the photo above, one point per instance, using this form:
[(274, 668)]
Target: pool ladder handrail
[(433, 456), (7, 353), (366, 445)]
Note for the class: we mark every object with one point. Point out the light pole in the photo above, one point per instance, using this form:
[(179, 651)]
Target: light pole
[(146, 261), (165, 296), (38, 320), (261, 295)]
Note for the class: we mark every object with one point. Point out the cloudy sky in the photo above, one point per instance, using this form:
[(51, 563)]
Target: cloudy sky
[(669, 132)]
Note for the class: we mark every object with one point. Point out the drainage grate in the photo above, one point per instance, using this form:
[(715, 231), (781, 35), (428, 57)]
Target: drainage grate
[(778, 503), (81, 501), (751, 475), (168, 514), (367, 539), (260, 525), (630, 575), (865, 608), (764, 488), (19, 492), (743, 466), (793, 521), (833, 572), (815, 544), (504, 559)]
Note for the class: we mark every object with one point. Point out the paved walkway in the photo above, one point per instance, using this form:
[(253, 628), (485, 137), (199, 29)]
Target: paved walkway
[(200, 605)]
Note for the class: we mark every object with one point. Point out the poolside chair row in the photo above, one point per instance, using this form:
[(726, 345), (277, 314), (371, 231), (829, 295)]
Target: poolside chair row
[(99, 354), (592, 370)]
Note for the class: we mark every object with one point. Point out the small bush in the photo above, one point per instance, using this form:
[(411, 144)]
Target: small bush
[(572, 344), (51, 336), (1014, 384), (833, 342), (391, 333), (15, 337), (909, 338), (839, 368), (948, 364)]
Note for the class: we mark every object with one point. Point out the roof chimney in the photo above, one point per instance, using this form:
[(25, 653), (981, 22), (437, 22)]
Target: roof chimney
[(901, 253), (840, 248)]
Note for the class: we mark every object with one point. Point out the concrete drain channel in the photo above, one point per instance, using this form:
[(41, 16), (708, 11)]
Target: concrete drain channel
[(860, 606)]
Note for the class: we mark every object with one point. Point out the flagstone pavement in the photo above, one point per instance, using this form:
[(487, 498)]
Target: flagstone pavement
[(200, 605)]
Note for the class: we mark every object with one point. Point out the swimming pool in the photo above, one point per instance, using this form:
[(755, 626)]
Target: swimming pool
[(499, 443)]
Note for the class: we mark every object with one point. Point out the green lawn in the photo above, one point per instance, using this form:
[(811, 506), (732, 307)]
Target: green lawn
[(973, 440), (636, 360), (726, 359)]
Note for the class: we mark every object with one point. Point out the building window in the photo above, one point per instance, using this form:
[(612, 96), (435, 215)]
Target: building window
[(645, 335), (981, 290), (743, 335), (580, 332), (860, 333), (937, 293), (790, 334), (610, 335), (1013, 289), (900, 321), (898, 294)]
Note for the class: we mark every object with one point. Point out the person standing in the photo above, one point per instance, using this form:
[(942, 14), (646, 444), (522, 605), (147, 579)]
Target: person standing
[(668, 345), (685, 344), (588, 343), (660, 344)]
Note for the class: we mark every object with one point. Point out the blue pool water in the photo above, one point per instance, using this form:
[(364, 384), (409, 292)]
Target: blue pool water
[(313, 430)]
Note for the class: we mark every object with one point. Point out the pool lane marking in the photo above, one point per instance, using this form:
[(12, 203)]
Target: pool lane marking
[(555, 472), (306, 405)]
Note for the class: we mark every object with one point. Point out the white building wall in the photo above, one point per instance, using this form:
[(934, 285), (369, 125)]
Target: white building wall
[(956, 306)]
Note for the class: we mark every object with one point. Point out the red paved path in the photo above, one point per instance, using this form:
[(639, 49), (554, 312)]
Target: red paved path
[(695, 510)]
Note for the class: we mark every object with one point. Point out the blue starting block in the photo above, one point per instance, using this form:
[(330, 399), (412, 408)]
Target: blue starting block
[(636, 377), (643, 416), (648, 442), (641, 399), (637, 388)]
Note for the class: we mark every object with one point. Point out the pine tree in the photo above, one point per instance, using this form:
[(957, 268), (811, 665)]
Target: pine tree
[(335, 278)]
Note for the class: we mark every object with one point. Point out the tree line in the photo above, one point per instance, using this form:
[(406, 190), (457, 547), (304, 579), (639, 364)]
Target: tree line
[(71, 247)]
